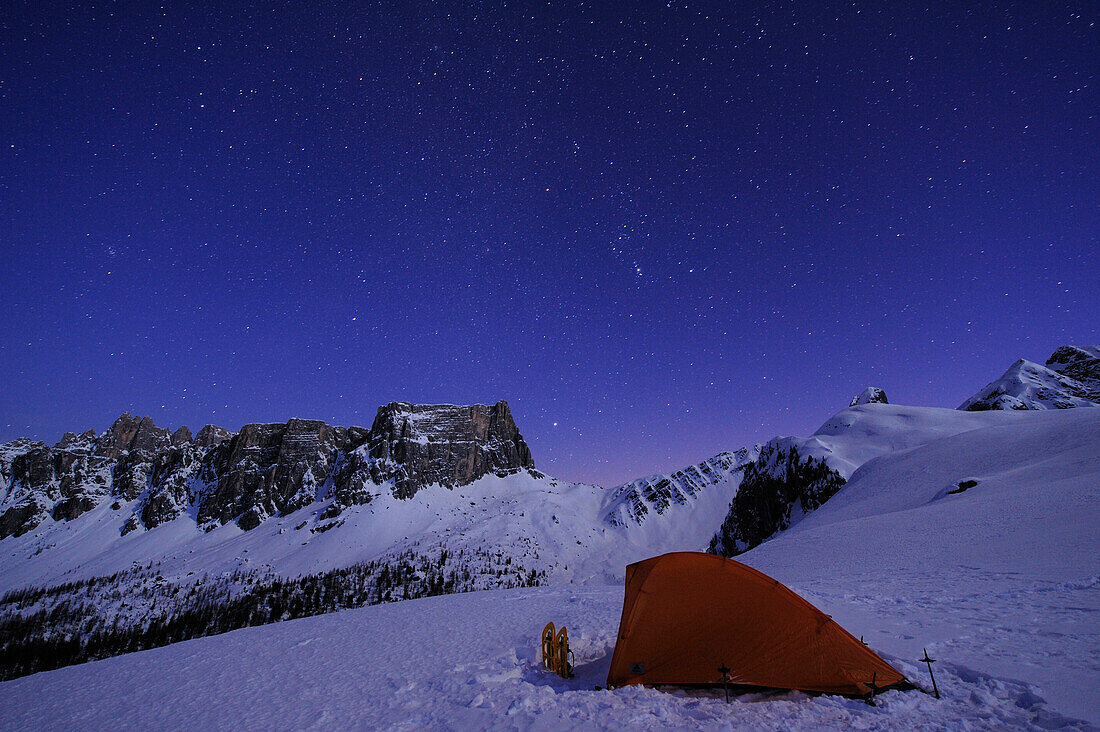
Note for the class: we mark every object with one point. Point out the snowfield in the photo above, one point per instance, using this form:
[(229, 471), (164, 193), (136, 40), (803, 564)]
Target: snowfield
[(1003, 577), (1000, 581), (459, 662)]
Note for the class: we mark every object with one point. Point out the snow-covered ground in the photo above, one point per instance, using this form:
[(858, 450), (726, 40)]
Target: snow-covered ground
[(1001, 582), (458, 662), (1003, 578)]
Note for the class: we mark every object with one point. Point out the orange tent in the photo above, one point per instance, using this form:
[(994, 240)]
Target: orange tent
[(687, 615)]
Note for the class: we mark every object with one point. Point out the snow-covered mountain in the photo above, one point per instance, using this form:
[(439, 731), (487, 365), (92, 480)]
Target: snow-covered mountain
[(977, 544), (154, 476), (578, 532), (980, 544), (1070, 378), (135, 535), (796, 475)]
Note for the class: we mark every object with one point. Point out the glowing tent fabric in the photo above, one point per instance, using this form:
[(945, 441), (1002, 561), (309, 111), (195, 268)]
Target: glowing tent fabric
[(686, 615)]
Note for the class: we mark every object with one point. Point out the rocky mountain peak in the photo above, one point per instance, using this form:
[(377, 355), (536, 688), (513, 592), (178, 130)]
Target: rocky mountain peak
[(73, 442), (1066, 355), (181, 436), (211, 435), (1070, 378), (870, 395), (132, 433), (1080, 363)]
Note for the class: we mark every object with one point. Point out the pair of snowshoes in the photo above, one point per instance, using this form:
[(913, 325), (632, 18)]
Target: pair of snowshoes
[(555, 651)]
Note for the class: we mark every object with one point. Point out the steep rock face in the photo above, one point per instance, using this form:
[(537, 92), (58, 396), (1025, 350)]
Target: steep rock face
[(416, 445), (1081, 364), (776, 490), (870, 395), (1070, 378), (168, 494), (40, 482), (643, 498), (131, 474), (133, 460), (23, 506), (353, 483), (270, 468)]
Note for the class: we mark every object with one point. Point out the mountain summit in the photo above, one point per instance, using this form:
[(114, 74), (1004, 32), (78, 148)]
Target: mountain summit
[(1070, 378), (870, 395)]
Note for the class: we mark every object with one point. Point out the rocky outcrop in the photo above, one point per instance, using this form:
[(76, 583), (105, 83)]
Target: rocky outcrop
[(270, 468), (72, 442), (1082, 364), (353, 482), (69, 508), (262, 471), (776, 490), (133, 461), (22, 517), (170, 479), (131, 475), (40, 482), (415, 445), (1070, 378), (870, 395)]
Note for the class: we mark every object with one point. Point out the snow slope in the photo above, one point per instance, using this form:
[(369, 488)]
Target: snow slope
[(855, 435), (1001, 583), (1003, 577), (546, 524), (459, 662)]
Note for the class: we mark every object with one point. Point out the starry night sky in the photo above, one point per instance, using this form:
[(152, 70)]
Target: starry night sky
[(659, 230)]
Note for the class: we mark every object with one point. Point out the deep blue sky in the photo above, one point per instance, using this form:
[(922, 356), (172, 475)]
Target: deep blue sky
[(659, 230)]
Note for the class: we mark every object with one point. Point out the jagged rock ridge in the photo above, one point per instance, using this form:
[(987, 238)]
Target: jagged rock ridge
[(1070, 378), (261, 471), (643, 498)]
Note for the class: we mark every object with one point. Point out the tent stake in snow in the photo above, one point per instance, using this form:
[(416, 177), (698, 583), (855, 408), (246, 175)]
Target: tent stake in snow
[(930, 661), (874, 688), (724, 670)]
